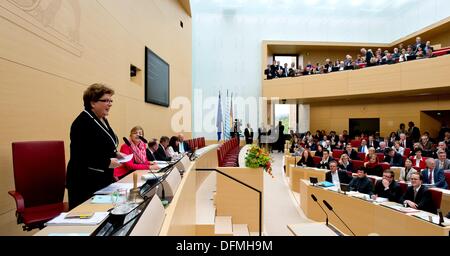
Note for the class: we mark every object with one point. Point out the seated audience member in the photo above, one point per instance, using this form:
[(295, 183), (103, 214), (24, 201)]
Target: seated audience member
[(405, 172), (442, 162), (398, 148), (292, 70), (151, 150), (418, 161), (139, 160), (404, 143), (396, 55), (427, 146), (420, 54), (428, 47), (339, 146), (345, 164), (387, 187), (311, 145), (363, 148), (372, 167), (183, 147), (441, 147), (326, 158), (393, 158), (370, 153), (382, 148), (319, 151), (433, 175), (172, 149), (418, 196), (429, 53), (160, 154), (372, 143), (361, 183), (351, 152), (306, 160), (336, 176), (392, 139)]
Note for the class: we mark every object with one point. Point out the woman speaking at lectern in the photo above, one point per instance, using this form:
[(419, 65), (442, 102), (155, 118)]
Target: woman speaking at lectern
[(93, 147)]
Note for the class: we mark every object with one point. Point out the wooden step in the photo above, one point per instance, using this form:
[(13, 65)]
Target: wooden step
[(223, 226), (240, 230)]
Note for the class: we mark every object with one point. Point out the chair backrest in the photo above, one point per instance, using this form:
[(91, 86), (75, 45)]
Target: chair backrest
[(355, 143), (437, 198), (403, 187), (39, 171), (385, 166), (407, 152), (361, 156), (357, 164), (447, 176), (317, 160), (380, 157), (337, 153)]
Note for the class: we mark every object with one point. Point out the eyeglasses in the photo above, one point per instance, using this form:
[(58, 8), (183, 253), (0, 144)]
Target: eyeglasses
[(387, 177), (106, 101)]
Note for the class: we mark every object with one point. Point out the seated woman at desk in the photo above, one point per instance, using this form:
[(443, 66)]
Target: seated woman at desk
[(139, 161), (172, 149), (372, 167), (405, 172), (306, 160), (345, 164)]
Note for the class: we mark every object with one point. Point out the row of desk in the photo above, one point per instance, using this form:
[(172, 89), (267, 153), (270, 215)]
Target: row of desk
[(363, 217), (178, 218)]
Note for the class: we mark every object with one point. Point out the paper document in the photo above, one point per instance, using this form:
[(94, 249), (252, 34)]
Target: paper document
[(151, 176), (105, 199), (125, 159), (431, 217), (114, 187), (62, 220)]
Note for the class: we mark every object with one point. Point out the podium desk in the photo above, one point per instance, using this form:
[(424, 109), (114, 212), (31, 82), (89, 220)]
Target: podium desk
[(298, 173), (364, 217), (314, 229)]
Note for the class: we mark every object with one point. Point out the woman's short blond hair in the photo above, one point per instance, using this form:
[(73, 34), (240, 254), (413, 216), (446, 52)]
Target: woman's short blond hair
[(137, 128)]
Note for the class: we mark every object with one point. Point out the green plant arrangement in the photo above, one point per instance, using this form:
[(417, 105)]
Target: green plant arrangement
[(258, 157)]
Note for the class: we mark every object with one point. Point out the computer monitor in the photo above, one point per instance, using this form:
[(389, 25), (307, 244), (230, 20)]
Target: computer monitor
[(344, 187), (313, 180)]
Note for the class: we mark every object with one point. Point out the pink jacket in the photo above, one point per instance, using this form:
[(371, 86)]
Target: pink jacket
[(130, 165)]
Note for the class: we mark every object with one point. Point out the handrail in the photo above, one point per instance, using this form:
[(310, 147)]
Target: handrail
[(242, 183)]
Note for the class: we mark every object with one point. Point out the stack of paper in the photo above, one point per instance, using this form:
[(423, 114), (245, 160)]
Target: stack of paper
[(96, 219)]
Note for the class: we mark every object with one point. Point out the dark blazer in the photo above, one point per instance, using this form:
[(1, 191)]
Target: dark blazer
[(414, 134), (343, 177), (309, 162), (363, 185), (353, 155), (424, 199), (397, 160), (92, 145), (160, 154), (150, 155), (349, 167), (394, 193), (375, 170), (374, 144), (438, 177), (325, 165), (248, 136)]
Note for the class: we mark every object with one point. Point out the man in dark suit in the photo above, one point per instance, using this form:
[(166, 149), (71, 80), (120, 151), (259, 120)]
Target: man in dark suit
[(280, 141), (268, 72), (336, 176), (183, 147), (405, 143), (388, 187), (413, 132), (372, 143), (361, 183), (248, 133), (351, 152), (160, 154), (326, 159), (418, 196), (418, 45), (393, 158), (433, 175), (151, 150)]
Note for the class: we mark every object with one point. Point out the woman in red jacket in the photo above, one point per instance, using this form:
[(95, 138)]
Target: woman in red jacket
[(139, 161)]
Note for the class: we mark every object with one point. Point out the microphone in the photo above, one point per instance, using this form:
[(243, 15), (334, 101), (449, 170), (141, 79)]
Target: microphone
[(331, 209), (143, 139), (315, 200)]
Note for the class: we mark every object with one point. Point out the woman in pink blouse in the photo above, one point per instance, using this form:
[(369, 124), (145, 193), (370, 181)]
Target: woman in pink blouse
[(139, 161)]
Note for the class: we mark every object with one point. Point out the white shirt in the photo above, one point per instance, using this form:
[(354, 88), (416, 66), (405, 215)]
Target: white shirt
[(181, 147), (335, 178)]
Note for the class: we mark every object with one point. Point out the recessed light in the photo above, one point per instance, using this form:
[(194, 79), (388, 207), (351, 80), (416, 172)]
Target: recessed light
[(438, 113)]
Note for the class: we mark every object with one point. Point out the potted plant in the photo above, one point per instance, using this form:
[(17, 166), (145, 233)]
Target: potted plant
[(258, 157)]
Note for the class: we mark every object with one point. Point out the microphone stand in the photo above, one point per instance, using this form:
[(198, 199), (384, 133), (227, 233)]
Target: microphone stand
[(331, 209), (315, 200)]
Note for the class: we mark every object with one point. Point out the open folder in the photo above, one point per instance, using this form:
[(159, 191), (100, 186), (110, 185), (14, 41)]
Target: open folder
[(96, 219)]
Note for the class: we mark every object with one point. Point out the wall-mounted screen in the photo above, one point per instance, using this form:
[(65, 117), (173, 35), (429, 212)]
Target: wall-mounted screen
[(156, 79)]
